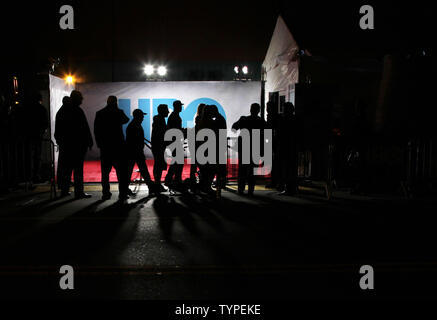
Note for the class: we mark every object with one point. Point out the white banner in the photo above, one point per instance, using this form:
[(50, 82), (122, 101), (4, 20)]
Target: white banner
[(233, 99)]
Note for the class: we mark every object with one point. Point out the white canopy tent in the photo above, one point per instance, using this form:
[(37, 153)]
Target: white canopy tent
[(281, 65)]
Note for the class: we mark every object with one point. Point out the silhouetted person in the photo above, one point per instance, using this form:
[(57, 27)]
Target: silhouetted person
[(159, 127), (108, 131), (135, 144), (272, 123), (217, 122), (73, 135), (206, 170), (194, 166), (288, 149), (62, 159), (245, 171), (174, 173), (36, 124)]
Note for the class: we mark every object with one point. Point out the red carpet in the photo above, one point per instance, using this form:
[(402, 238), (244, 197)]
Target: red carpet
[(92, 171)]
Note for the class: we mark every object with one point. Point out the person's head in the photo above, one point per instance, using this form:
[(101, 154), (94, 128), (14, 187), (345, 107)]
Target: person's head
[(206, 112), (138, 115), (200, 109), (289, 108), (269, 107), (112, 101), (177, 106), (163, 110), (76, 97), (214, 110), (66, 100), (255, 108)]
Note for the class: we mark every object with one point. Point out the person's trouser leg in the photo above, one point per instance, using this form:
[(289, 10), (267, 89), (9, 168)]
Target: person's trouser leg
[(60, 175), (178, 172), (250, 178), (158, 165), (130, 168), (65, 169), (121, 169), (105, 166), (78, 173), (170, 173), (242, 169), (291, 185), (142, 166)]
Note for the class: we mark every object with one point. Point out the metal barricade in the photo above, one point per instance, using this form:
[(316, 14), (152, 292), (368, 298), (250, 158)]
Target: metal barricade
[(18, 159)]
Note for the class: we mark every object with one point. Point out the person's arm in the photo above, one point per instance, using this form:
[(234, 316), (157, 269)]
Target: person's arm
[(134, 137), (123, 117), (87, 131), (97, 130), (224, 124), (90, 137), (237, 125)]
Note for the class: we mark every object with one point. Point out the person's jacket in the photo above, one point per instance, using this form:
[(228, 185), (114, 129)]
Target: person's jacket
[(72, 129), (159, 127), (135, 137), (249, 122), (108, 128), (174, 121)]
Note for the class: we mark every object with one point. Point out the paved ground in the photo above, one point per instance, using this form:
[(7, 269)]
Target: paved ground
[(194, 247)]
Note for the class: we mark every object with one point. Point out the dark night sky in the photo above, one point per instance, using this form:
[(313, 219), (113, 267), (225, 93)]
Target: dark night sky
[(226, 31), (185, 30)]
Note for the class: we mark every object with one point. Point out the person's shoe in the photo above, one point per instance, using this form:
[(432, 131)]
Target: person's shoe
[(210, 192), (161, 188), (65, 194), (82, 196), (287, 193), (107, 196), (123, 197), (152, 188)]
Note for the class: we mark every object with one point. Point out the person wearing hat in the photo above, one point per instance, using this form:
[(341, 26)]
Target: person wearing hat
[(174, 174), (135, 145), (159, 127)]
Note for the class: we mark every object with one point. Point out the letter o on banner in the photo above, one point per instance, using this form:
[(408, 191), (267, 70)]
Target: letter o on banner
[(190, 111)]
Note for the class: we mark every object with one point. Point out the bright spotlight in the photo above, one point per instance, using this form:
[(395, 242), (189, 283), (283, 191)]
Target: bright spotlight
[(149, 70), (162, 71), (69, 79), (236, 69), (245, 70)]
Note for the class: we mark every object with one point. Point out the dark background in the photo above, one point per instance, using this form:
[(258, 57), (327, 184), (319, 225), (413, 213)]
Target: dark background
[(174, 33)]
